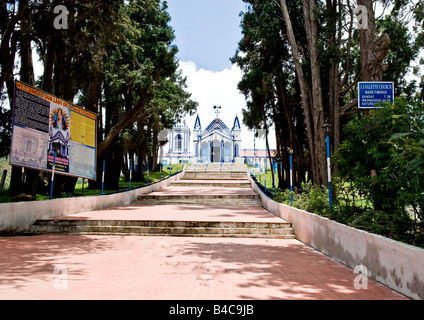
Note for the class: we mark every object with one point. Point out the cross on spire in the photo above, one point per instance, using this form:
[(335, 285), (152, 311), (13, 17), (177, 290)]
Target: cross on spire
[(217, 111)]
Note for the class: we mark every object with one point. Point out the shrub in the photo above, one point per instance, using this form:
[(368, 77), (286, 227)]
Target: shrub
[(382, 158)]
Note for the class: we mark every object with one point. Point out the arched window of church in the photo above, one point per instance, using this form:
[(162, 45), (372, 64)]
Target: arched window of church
[(178, 142), (236, 151), (204, 151), (227, 152)]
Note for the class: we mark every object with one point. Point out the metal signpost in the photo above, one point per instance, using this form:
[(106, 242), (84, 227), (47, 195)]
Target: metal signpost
[(327, 128), (131, 167), (52, 181), (291, 176), (103, 176)]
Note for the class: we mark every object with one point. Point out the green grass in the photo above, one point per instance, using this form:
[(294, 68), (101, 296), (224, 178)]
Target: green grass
[(347, 195), (262, 177), (78, 192)]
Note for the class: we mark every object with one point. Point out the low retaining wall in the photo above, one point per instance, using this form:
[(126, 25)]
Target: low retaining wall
[(18, 216), (392, 263)]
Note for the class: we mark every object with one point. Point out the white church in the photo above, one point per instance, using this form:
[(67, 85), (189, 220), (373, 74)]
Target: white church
[(215, 143)]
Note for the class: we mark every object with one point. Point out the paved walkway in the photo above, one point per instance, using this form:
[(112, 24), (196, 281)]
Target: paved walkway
[(179, 213), (174, 268), (188, 191)]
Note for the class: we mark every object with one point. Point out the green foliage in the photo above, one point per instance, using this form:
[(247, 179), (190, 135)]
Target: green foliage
[(382, 158), (312, 198), (116, 56), (402, 51), (78, 192), (380, 181)]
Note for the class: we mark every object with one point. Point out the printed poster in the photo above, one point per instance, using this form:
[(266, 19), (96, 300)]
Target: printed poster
[(48, 130)]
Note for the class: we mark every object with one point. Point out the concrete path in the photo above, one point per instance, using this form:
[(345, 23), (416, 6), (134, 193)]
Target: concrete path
[(107, 267), (179, 213), (176, 268), (181, 268)]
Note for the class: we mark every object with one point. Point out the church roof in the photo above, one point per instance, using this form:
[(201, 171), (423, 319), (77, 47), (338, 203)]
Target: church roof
[(217, 125)]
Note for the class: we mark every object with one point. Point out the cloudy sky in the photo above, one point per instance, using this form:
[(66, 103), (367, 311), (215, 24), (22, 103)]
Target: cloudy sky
[(207, 35)]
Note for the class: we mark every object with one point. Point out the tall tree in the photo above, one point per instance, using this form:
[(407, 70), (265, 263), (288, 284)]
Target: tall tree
[(138, 72), (373, 47), (328, 56), (116, 56), (311, 94), (269, 82)]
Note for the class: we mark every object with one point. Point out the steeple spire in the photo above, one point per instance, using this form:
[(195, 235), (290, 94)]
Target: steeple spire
[(236, 125), (197, 125)]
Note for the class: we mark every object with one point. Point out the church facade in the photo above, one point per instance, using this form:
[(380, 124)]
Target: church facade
[(214, 143), (217, 143)]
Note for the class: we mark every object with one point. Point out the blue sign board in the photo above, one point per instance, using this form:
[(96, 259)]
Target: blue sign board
[(372, 94)]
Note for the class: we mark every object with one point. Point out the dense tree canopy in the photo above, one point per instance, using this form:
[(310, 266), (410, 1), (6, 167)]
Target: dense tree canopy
[(302, 60), (114, 58)]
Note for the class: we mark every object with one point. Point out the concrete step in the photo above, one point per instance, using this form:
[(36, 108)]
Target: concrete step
[(212, 183), (218, 175), (164, 228), (213, 167), (196, 199)]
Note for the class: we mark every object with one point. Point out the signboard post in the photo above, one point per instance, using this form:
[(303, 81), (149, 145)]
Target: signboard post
[(103, 176), (51, 134), (373, 94), (291, 177), (52, 181)]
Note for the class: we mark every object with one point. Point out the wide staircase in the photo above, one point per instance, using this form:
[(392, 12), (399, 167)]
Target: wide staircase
[(222, 193), (207, 185)]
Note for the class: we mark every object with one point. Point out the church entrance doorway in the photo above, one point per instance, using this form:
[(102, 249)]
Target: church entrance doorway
[(216, 151)]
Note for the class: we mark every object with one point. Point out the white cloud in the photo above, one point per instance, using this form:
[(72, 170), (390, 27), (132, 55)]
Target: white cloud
[(219, 88), (210, 88)]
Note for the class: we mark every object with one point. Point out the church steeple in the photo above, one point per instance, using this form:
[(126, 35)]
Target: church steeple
[(197, 125), (236, 125)]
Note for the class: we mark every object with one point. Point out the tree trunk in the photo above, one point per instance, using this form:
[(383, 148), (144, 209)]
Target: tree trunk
[(293, 136), (8, 48), (27, 76), (317, 109), (114, 131), (113, 169), (373, 47), (94, 93), (48, 64), (312, 103), (125, 167), (269, 155)]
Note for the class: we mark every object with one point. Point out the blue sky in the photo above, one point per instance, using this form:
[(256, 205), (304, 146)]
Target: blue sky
[(207, 35), (207, 31)]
